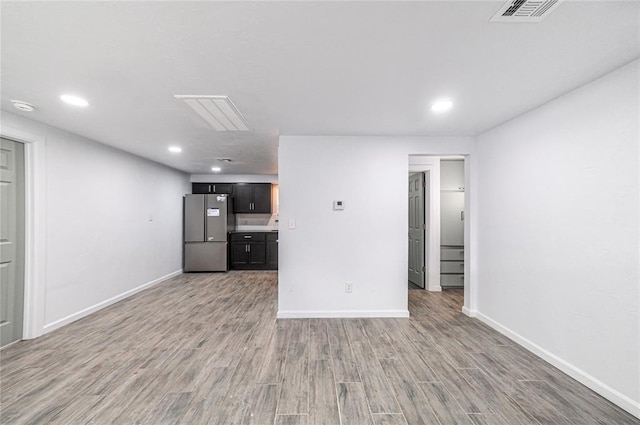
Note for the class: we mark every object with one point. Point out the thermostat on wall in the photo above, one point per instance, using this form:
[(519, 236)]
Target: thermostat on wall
[(338, 205)]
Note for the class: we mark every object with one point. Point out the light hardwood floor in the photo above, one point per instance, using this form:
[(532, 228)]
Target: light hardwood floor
[(206, 349)]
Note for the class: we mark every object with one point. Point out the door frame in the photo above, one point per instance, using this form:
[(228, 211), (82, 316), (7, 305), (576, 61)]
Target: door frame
[(431, 162), (430, 165), (34, 228)]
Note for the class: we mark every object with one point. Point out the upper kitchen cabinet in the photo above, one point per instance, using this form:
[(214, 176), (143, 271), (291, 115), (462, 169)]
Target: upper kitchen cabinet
[(253, 198), (213, 188), (452, 175)]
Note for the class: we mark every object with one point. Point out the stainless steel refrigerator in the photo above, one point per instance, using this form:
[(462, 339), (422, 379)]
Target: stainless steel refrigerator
[(207, 219)]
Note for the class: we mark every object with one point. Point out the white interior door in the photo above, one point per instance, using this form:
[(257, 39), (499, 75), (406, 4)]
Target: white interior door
[(416, 229), (11, 241)]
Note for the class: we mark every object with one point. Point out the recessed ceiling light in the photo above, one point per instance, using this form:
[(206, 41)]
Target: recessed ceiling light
[(74, 100), (23, 106), (216, 169), (175, 149), (442, 105)]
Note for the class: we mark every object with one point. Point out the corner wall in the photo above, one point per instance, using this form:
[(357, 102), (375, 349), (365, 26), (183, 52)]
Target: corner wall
[(366, 243), (558, 236), (113, 223)]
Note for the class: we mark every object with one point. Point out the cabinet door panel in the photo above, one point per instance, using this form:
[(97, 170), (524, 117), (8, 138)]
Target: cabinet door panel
[(201, 188), (257, 253), (451, 224), (238, 254), (222, 188), (262, 198), (452, 175), (244, 198)]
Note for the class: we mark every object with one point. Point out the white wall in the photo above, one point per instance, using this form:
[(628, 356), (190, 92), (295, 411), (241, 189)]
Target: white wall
[(558, 235), (100, 242), (367, 242)]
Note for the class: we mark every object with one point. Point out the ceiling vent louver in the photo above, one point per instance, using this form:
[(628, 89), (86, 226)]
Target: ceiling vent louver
[(525, 10), (218, 111)]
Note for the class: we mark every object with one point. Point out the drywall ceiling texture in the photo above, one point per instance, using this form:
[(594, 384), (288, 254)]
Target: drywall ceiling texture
[(296, 68), (366, 243), (113, 222), (558, 235)]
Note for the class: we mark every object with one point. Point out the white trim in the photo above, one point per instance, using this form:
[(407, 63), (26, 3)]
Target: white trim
[(87, 311), (341, 314), (470, 235), (35, 229), (621, 400), (467, 312)]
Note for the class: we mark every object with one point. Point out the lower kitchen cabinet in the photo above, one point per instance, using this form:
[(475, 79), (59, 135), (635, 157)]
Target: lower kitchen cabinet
[(272, 251), (253, 251)]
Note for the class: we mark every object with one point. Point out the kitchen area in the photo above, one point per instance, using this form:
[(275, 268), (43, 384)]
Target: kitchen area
[(230, 226)]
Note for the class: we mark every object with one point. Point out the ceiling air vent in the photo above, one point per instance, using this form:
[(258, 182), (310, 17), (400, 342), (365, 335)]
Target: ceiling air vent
[(218, 111), (525, 10)]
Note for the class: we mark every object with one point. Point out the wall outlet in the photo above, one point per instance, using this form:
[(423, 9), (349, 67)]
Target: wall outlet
[(348, 287)]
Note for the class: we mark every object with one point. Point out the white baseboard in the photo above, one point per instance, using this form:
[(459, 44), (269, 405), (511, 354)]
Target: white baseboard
[(87, 311), (434, 288), (619, 399), (470, 313), (341, 314)]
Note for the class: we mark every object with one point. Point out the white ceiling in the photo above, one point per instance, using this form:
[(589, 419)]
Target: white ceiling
[(296, 68)]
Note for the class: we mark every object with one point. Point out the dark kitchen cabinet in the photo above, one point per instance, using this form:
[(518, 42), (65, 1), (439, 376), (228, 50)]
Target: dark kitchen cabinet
[(272, 251), (247, 251), (253, 250), (214, 188), (253, 198)]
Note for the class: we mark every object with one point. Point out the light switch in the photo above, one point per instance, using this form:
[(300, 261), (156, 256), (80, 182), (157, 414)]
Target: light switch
[(292, 223), (338, 205)]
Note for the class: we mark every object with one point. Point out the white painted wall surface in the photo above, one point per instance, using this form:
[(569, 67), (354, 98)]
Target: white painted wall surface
[(558, 233), (367, 242), (100, 242)]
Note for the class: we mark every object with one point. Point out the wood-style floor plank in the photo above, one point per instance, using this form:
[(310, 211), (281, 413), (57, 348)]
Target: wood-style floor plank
[(294, 398), (323, 408), (206, 349), (352, 403), (389, 419)]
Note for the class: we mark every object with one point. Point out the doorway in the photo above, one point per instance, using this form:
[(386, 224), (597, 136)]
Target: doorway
[(444, 234), (12, 240)]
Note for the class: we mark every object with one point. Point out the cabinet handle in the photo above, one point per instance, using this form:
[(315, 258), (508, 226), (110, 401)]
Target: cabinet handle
[(214, 188), (248, 248), (461, 215), (248, 236), (209, 188)]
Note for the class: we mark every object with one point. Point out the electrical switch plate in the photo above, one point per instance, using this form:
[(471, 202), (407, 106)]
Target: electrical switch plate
[(338, 205), (348, 287), (292, 223)]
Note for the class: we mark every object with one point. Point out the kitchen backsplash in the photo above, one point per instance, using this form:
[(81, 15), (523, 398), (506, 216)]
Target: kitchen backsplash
[(257, 222)]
